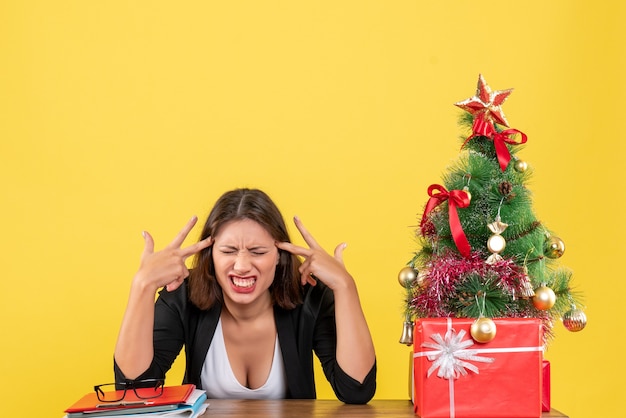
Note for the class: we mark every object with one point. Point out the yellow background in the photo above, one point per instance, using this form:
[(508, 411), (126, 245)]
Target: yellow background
[(120, 116)]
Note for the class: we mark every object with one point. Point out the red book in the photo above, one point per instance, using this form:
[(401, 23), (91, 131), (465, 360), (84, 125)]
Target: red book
[(172, 395)]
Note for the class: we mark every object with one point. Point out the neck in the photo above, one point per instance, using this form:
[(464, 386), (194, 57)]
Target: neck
[(248, 312)]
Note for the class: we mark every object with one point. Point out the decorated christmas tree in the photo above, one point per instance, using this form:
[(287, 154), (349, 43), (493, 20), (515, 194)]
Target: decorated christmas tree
[(483, 253)]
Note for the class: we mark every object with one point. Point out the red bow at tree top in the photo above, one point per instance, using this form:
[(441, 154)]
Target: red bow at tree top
[(456, 198), (484, 127), (486, 107)]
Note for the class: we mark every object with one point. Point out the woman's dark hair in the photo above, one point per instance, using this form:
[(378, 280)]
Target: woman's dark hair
[(236, 205)]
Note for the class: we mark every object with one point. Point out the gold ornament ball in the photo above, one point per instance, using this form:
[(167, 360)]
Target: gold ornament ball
[(544, 298), (421, 279), (520, 166), (554, 247), (483, 330), (469, 195), (574, 320), (407, 276)]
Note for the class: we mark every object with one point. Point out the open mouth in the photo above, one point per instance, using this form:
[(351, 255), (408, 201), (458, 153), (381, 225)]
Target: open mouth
[(243, 282)]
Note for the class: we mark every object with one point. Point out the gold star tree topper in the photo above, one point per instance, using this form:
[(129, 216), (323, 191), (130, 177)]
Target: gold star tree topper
[(486, 104)]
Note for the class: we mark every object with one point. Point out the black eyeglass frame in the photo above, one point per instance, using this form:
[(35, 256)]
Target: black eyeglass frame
[(156, 384)]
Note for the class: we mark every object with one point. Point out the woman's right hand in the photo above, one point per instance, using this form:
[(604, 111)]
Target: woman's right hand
[(167, 266), (134, 350)]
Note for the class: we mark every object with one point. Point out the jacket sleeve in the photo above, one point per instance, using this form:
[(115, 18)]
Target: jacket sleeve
[(168, 334), (346, 388)]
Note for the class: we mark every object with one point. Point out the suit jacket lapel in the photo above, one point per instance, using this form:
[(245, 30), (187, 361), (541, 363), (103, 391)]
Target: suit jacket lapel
[(204, 331), (299, 385)]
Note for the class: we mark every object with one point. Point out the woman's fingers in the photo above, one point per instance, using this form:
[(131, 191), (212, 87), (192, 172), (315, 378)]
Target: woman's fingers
[(174, 285), (308, 238), (196, 248), (182, 235), (167, 266), (339, 252), (309, 278), (148, 244), (294, 249), (317, 264)]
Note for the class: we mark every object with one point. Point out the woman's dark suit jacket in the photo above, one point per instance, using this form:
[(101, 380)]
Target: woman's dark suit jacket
[(307, 328)]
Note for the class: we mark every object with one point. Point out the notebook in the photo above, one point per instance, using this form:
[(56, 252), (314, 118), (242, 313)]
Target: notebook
[(172, 395)]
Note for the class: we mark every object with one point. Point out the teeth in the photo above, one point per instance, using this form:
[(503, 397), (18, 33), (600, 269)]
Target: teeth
[(239, 282)]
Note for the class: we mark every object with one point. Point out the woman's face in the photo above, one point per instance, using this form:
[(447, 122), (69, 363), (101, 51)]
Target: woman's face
[(245, 259)]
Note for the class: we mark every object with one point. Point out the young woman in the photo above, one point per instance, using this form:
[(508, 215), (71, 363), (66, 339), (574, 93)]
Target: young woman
[(249, 313)]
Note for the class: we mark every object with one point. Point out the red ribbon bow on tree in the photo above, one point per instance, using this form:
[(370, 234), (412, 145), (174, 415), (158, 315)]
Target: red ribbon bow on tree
[(455, 198), (484, 127)]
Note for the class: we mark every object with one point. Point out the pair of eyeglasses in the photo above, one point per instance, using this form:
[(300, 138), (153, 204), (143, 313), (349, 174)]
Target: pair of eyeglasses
[(143, 389)]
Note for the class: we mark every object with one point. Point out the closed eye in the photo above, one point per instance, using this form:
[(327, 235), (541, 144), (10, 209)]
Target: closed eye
[(258, 251), (228, 250)]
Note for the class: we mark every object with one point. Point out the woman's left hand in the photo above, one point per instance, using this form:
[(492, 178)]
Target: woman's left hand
[(355, 349), (318, 264)]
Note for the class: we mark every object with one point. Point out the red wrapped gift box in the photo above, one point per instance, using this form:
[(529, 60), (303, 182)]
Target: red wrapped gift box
[(456, 377), (545, 397)]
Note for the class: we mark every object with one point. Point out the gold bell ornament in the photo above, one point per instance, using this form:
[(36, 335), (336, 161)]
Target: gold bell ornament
[(407, 277), (407, 332)]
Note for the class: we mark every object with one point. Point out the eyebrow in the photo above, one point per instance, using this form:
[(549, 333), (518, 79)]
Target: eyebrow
[(253, 247)]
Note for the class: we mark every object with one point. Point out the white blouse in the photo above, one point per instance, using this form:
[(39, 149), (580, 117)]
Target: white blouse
[(219, 381)]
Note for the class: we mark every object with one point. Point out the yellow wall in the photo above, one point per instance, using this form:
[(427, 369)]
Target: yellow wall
[(120, 116)]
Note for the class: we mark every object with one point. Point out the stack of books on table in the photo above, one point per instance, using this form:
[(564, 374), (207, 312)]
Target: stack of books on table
[(183, 401)]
